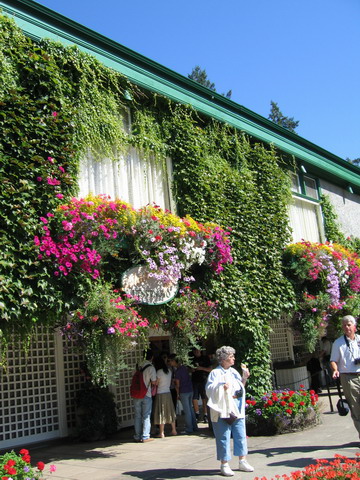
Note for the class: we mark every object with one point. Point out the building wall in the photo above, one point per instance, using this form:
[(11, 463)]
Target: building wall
[(347, 207)]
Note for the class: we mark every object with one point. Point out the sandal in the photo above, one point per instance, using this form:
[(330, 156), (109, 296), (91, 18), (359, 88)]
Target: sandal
[(160, 435)]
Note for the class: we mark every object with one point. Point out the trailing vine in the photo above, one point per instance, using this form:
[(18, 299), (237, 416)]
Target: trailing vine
[(332, 226), (56, 103)]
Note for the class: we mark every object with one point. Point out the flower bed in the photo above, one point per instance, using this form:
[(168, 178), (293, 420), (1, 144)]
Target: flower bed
[(338, 469), (281, 411), (15, 466)]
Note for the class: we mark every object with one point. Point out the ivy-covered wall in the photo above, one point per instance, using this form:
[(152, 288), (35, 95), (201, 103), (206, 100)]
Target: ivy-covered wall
[(55, 103)]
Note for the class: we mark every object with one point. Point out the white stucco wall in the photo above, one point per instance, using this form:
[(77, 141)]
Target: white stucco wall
[(347, 207)]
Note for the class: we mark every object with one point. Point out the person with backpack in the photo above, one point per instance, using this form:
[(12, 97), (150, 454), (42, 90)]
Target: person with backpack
[(140, 391)]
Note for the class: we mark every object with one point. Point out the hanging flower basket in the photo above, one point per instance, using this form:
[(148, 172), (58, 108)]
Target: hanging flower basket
[(326, 281)]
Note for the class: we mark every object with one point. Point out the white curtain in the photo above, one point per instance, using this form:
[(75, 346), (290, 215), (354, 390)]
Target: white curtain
[(304, 219), (132, 178)]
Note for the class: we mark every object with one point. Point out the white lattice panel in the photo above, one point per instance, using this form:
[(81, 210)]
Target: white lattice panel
[(281, 342), (29, 409), (73, 380), (124, 403)]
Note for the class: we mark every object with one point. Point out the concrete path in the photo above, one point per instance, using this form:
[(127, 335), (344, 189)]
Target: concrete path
[(193, 456)]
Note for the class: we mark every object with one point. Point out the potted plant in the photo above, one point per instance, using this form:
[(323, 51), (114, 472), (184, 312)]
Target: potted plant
[(281, 411)]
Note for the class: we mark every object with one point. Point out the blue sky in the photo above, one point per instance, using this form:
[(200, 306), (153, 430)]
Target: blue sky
[(304, 55)]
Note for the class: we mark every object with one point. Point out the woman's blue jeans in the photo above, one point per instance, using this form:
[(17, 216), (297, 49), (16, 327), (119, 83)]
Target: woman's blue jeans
[(223, 431), (190, 419)]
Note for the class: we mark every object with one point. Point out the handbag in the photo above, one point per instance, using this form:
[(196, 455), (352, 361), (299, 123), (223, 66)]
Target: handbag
[(342, 405), (153, 390), (230, 419)]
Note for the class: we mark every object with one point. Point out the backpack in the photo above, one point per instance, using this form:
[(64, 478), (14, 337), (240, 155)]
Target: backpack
[(138, 389)]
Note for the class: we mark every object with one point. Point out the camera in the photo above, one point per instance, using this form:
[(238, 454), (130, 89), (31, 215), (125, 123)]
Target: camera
[(238, 393), (357, 361)]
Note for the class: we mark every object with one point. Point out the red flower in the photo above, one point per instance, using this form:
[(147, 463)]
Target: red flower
[(40, 466), (10, 470), (26, 458), (283, 403), (289, 411), (24, 452), (11, 463)]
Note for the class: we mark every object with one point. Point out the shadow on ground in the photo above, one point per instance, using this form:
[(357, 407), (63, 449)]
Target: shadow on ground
[(172, 473)]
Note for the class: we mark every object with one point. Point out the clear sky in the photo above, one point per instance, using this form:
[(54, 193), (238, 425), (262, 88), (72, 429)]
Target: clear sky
[(302, 54)]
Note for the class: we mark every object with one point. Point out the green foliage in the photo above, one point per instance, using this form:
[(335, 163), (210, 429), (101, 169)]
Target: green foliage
[(326, 280), (190, 318), (199, 75), (104, 329), (277, 116), (15, 466), (281, 411), (58, 102), (332, 226), (96, 413)]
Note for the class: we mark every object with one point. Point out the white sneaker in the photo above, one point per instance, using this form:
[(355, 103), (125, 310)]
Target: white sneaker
[(244, 466), (226, 470)]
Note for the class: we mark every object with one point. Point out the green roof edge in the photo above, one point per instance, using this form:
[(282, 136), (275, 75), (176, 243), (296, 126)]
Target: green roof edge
[(41, 22)]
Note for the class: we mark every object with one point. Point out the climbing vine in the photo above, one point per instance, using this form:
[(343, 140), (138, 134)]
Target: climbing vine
[(333, 231), (56, 104)]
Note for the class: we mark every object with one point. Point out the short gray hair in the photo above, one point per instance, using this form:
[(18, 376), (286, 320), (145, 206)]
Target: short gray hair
[(224, 352), (348, 318)]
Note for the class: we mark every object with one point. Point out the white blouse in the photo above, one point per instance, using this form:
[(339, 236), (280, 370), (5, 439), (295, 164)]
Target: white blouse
[(221, 401)]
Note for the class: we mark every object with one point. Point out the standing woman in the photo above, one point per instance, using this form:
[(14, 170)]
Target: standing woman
[(164, 411), (226, 399)]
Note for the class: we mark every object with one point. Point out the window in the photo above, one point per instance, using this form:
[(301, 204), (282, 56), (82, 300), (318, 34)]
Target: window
[(311, 189), (131, 178), (305, 221), (305, 212), (304, 185)]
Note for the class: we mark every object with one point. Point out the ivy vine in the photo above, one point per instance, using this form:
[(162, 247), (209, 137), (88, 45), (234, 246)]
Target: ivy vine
[(57, 102)]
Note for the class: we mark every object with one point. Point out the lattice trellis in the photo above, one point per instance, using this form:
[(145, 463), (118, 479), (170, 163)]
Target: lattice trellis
[(281, 341), (124, 403), (29, 408)]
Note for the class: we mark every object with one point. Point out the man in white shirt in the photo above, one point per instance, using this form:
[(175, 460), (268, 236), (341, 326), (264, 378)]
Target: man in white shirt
[(345, 364)]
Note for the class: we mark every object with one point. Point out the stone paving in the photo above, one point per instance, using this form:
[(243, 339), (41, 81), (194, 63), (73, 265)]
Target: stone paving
[(193, 456)]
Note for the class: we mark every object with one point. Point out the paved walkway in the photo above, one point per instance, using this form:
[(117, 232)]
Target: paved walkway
[(193, 456)]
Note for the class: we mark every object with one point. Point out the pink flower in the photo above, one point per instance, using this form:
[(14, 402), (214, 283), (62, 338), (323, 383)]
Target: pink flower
[(54, 114), (51, 160), (53, 181), (39, 179), (59, 195), (52, 468)]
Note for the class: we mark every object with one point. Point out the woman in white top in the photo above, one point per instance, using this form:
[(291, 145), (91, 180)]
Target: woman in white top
[(164, 411), (226, 399)]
